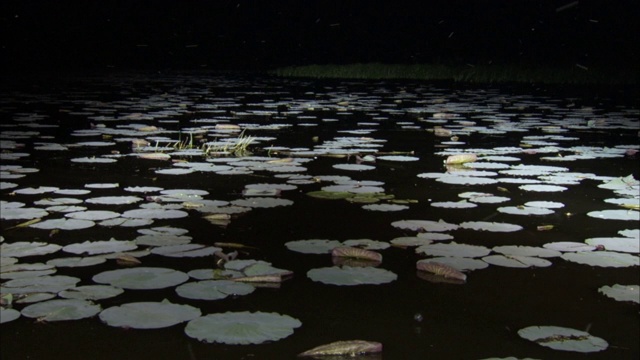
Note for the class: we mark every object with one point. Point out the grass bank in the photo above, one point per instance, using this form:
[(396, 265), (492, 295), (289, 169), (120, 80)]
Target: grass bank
[(576, 74)]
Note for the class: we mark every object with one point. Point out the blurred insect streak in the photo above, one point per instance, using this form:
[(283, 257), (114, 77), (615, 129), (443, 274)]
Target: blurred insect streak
[(567, 6)]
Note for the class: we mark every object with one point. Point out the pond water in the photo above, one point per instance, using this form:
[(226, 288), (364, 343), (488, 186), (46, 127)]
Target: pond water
[(535, 218)]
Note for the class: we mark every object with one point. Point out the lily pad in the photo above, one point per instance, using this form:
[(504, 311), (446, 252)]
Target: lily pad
[(91, 292), (241, 328), (349, 276), (148, 315), (59, 310), (453, 249), (45, 284), (213, 289), (350, 348), (24, 248), (142, 278), (313, 246), (7, 315), (516, 261), (561, 338), (622, 292), (100, 247), (602, 258)]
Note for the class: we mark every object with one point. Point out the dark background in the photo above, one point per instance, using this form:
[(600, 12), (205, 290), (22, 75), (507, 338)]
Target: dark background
[(257, 35)]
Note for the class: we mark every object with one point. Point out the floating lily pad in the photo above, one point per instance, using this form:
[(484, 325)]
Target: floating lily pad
[(602, 258), (241, 328), (7, 315), (424, 225), (45, 284), (213, 289), (185, 250), (566, 339), (622, 292), (23, 248), (91, 292), (621, 244), (148, 315), (63, 224), (490, 226), (615, 215), (526, 251), (313, 246), (100, 247), (453, 249), (349, 276), (142, 278), (345, 348), (60, 310), (516, 261)]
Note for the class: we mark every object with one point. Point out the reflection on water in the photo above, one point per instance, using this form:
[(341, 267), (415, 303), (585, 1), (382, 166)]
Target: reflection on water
[(537, 206)]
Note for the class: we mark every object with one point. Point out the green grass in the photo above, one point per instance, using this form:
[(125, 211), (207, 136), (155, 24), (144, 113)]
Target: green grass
[(575, 74)]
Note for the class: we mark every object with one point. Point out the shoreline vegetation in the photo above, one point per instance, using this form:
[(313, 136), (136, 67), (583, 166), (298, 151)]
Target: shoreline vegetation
[(575, 74)]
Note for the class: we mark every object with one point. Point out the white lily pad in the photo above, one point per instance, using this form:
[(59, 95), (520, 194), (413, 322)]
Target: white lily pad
[(568, 246), (77, 261), (148, 315), (622, 292), (24, 248), (490, 226), (424, 225), (603, 258), (524, 210), (526, 251), (631, 215), (100, 247), (621, 244), (453, 249), (142, 278), (155, 214), (561, 338), (93, 215), (349, 276), (15, 213), (61, 310), (46, 284), (241, 328), (63, 224), (516, 261)]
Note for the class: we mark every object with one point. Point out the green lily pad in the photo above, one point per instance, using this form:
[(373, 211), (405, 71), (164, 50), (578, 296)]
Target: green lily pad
[(349, 276), (148, 315), (59, 310), (7, 315), (142, 278), (213, 289), (241, 328)]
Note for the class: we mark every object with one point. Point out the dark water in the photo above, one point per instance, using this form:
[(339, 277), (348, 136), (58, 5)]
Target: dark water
[(411, 317)]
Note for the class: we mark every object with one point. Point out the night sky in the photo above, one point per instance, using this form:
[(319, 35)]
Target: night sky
[(256, 35)]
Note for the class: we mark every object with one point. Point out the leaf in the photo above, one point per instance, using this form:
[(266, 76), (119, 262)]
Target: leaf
[(356, 253), (460, 159), (241, 328), (345, 348), (566, 339), (443, 270)]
